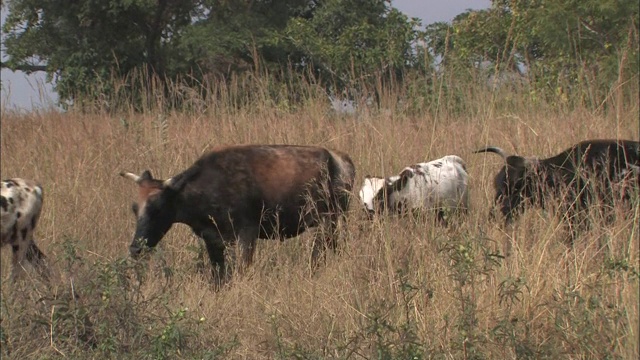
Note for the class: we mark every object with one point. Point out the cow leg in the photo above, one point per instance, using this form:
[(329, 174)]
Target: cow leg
[(17, 266), (215, 249), (578, 212), (440, 216), (38, 259), (247, 237), (575, 220), (492, 214), (325, 238)]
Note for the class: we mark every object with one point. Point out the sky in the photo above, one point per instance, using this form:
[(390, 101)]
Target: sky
[(26, 93)]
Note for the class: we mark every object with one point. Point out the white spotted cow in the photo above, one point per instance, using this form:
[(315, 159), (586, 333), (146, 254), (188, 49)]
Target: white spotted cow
[(21, 203), (439, 185)]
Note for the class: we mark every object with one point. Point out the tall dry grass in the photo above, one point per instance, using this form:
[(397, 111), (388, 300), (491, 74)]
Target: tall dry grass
[(398, 288)]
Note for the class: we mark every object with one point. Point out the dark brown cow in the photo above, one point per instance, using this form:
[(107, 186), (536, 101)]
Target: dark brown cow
[(246, 192), (21, 204), (583, 172)]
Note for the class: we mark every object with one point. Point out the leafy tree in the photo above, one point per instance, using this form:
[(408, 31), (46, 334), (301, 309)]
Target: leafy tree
[(81, 43), (88, 44), (238, 35), (560, 43), (348, 40)]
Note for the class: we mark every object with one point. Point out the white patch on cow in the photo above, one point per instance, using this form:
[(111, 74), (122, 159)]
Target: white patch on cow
[(440, 183), (370, 188)]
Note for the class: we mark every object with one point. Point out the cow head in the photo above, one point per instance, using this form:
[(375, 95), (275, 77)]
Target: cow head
[(154, 210), (514, 183), (371, 187), (390, 196), (368, 191)]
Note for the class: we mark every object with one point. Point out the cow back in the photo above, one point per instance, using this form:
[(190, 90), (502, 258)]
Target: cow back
[(276, 185), (604, 156)]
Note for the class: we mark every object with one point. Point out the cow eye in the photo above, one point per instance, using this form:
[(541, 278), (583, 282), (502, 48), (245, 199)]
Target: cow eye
[(134, 208)]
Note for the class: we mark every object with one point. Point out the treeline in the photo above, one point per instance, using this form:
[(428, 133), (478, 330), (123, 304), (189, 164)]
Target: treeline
[(576, 51)]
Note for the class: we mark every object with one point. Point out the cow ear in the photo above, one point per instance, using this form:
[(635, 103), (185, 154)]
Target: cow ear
[(405, 175), (146, 175)]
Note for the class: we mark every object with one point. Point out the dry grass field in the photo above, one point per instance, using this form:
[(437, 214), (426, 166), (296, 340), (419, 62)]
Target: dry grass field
[(398, 288)]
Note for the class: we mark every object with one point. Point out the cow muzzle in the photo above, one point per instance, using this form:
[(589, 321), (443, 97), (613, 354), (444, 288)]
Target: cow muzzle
[(135, 252), (139, 246), (370, 213)]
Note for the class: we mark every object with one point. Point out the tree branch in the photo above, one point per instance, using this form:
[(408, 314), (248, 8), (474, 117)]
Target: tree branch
[(24, 67)]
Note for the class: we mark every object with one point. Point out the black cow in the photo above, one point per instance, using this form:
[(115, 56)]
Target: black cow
[(584, 172), (247, 192)]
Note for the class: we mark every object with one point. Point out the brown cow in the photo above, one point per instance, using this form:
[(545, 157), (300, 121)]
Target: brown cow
[(21, 203), (246, 192)]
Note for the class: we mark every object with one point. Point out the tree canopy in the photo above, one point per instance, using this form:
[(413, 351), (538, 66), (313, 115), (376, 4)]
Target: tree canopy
[(87, 42), (558, 43)]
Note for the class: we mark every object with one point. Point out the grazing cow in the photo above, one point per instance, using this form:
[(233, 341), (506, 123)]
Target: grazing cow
[(370, 188), (440, 185), (583, 172), (247, 192), (21, 202)]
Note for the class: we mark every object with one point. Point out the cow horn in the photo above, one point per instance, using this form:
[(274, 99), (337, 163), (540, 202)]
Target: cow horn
[(168, 182), (131, 176), (493, 149)]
